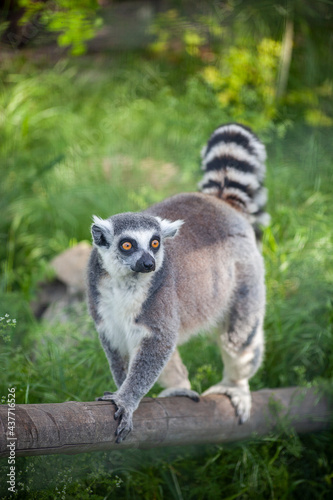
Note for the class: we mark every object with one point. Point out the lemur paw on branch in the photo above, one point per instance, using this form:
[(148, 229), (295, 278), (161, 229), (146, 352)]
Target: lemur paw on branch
[(191, 262)]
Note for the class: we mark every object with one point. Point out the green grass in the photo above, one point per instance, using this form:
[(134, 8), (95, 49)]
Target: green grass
[(118, 134)]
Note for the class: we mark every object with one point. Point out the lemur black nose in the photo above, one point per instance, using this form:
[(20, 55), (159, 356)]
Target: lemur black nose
[(145, 264), (150, 266)]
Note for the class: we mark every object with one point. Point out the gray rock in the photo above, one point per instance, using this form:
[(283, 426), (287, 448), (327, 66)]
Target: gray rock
[(70, 267), (60, 299)]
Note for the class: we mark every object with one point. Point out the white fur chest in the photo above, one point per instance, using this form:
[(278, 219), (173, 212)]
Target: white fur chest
[(119, 305)]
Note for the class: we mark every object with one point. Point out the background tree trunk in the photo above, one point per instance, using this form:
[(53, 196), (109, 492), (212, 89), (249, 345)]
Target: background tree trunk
[(285, 61)]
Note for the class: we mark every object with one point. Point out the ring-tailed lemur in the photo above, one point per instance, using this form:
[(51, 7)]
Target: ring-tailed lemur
[(150, 290)]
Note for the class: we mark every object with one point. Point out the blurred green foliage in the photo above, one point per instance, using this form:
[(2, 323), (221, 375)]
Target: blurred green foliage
[(74, 21), (242, 75), (245, 82), (68, 152), (243, 67), (118, 132)]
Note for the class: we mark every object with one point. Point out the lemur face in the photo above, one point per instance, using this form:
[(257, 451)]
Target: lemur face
[(132, 243), (139, 249)]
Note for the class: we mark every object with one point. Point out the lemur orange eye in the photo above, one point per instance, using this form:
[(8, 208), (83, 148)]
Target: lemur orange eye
[(126, 245), (155, 243)]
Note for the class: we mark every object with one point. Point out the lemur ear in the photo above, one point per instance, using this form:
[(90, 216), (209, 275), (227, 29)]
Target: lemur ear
[(102, 232), (169, 229)]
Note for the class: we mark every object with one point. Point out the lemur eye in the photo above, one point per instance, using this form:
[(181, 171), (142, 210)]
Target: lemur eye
[(155, 243), (126, 245)]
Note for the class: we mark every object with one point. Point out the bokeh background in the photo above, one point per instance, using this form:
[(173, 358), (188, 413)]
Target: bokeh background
[(104, 108)]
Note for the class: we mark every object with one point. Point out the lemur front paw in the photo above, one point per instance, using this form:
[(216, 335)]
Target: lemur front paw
[(178, 391), (125, 422), (240, 398), (108, 396), (123, 414)]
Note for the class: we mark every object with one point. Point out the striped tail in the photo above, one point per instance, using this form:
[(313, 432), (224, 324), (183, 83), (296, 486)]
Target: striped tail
[(234, 164)]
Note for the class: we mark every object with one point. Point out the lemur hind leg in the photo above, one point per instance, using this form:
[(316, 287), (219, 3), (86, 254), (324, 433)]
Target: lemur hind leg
[(242, 345), (174, 378)]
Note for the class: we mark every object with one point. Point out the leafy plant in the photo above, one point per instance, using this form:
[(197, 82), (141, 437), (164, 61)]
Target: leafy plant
[(240, 52), (244, 81), (75, 22), (6, 323)]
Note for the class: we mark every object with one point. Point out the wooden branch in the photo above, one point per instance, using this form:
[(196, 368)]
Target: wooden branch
[(75, 427)]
